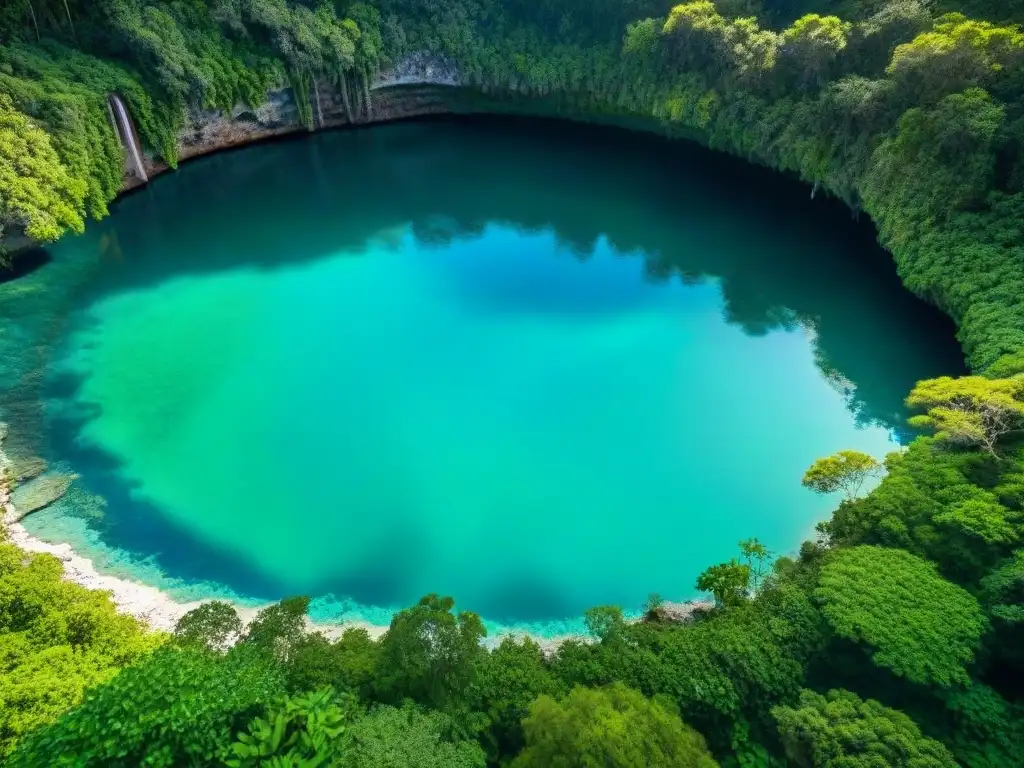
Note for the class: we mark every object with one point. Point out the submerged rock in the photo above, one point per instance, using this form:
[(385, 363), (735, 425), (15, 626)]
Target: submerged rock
[(40, 492), (26, 468)]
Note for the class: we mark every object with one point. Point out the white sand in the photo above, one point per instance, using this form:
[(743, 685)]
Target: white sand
[(155, 608), (161, 612)]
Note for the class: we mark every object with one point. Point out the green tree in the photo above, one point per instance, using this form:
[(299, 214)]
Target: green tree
[(429, 654), (278, 628), (408, 737), (928, 505), (943, 157), (812, 44), (181, 706), (839, 730), (347, 664), (605, 622), (970, 411), (613, 727), (310, 729), (694, 36), (214, 625), (757, 557), (914, 622), (37, 192), (57, 639), (845, 471), (957, 53), (729, 583), (1002, 590), (509, 678), (981, 728)]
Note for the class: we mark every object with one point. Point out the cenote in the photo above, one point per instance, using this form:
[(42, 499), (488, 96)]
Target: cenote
[(534, 365)]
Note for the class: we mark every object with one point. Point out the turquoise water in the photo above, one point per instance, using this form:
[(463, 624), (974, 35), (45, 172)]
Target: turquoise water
[(536, 367)]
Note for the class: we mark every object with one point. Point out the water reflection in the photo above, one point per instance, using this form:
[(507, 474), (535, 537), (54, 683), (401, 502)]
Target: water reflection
[(782, 260)]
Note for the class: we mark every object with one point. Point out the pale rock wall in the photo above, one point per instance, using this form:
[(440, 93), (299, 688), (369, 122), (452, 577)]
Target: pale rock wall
[(420, 84), (413, 87)]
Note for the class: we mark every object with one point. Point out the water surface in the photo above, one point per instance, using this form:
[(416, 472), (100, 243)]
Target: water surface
[(535, 366)]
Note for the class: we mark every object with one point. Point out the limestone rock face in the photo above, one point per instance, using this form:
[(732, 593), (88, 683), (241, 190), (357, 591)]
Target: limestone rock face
[(207, 129), (420, 68), (421, 83), (415, 90)]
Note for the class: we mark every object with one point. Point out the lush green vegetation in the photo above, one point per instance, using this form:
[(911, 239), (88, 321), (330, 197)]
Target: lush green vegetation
[(56, 640), (896, 639), (903, 112)]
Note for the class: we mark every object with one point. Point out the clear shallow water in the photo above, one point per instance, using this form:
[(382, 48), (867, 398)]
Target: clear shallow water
[(534, 366)]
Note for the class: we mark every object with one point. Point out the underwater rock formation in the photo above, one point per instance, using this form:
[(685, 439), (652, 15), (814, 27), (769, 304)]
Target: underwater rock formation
[(40, 492)]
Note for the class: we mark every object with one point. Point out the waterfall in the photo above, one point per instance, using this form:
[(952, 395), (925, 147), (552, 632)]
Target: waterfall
[(126, 132), (366, 94), (319, 111), (344, 95)]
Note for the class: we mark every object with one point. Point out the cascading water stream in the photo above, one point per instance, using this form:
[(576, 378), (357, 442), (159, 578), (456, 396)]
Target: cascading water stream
[(127, 132)]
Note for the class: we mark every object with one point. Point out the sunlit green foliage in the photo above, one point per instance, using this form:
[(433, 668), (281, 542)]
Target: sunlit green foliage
[(839, 730), (36, 191), (846, 471), (912, 621), (56, 640), (308, 729), (972, 411), (929, 503), (728, 582), (956, 54), (178, 707), (612, 727), (407, 737)]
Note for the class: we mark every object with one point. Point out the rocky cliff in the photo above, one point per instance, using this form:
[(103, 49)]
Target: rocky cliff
[(420, 84)]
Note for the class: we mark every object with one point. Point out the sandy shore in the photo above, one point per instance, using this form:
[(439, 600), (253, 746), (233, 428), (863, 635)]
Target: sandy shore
[(161, 612), (155, 608)]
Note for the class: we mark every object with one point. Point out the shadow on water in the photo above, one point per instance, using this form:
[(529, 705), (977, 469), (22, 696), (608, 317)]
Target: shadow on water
[(25, 264), (782, 261), (793, 260)]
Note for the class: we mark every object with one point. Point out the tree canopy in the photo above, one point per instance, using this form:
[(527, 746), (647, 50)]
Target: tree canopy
[(913, 621), (612, 727), (839, 730), (846, 471), (893, 639)]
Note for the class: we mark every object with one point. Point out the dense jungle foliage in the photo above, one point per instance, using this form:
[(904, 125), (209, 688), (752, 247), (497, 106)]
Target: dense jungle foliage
[(895, 639)]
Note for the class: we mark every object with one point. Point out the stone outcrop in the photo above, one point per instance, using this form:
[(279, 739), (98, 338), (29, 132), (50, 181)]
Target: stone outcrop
[(419, 84), (420, 68), (413, 87)]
